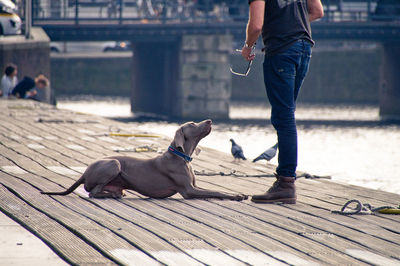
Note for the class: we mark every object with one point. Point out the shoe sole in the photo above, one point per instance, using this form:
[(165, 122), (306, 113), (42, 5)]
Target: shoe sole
[(284, 201)]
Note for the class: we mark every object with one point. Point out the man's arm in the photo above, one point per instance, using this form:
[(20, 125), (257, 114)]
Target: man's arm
[(315, 9), (254, 27)]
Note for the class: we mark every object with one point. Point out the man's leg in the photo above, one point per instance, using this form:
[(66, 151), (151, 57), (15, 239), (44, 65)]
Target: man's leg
[(282, 83), (280, 79)]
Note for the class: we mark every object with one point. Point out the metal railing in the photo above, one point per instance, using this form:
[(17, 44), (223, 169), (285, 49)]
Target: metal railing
[(193, 11), (361, 10), (144, 11)]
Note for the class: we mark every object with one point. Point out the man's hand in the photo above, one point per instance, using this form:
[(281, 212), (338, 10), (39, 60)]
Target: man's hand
[(247, 53), (31, 93)]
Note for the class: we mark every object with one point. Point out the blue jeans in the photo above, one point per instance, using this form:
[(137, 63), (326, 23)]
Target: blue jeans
[(283, 75)]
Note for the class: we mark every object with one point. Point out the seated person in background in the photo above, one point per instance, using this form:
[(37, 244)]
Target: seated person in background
[(32, 89), (25, 85), (9, 80), (40, 91)]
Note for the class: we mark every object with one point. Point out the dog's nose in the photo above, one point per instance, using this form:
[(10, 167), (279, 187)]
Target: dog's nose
[(208, 121)]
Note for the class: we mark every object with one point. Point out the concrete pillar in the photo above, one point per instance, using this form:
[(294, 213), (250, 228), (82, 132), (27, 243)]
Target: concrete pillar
[(390, 85), (186, 79), (205, 79)]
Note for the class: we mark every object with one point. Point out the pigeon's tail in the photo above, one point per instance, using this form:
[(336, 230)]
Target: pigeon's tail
[(239, 155), (268, 154), (264, 156), (258, 158)]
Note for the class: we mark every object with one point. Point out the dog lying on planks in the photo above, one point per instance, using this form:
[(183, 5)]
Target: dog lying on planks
[(159, 177)]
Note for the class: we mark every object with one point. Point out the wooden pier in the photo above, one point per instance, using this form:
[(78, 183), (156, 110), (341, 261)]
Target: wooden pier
[(44, 148)]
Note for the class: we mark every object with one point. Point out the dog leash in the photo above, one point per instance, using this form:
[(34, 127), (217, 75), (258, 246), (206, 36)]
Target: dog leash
[(186, 157), (365, 209)]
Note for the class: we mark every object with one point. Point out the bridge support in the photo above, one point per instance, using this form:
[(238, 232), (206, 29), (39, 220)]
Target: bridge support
[(155, 77), (390, 84), (187, 78)]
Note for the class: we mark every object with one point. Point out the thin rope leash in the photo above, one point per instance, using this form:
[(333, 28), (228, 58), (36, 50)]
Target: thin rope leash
[(365, 209)]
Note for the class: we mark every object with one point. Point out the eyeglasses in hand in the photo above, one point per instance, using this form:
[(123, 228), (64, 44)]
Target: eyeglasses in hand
[(248, 66)]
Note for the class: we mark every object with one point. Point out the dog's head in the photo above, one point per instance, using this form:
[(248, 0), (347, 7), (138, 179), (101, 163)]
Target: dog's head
[(189, 134)]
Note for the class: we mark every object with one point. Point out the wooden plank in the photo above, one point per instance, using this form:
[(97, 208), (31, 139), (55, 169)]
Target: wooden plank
[(87, 210), (239, 232), (366, 224), (182, 239), (384, 221), (347, 235), (95, 234), (211, 214), (53, 146), (367, 193), (96, 148), (385, 234), (221, 239), (30, 165), (49, 230), (134, 232)]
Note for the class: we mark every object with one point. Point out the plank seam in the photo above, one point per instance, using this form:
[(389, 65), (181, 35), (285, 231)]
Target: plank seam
[(219, 230), (72, 230)]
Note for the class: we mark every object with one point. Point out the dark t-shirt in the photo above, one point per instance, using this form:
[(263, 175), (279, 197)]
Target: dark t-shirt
[(23, 86), (285, 21)]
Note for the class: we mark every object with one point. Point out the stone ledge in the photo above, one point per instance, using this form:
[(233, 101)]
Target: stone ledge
[(39, 39)]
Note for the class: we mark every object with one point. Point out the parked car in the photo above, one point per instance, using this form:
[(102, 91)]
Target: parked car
[(89, 47), (117, 47), (77, 47), (10, 22)]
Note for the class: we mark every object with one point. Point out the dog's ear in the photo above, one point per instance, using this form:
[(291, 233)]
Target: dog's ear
[(179, 139)]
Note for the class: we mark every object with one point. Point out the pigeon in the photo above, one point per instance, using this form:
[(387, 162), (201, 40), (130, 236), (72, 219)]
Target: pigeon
[(268, 154), (237, 151)]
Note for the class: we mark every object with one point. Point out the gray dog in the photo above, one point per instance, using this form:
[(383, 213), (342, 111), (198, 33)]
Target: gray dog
[(159, 177)]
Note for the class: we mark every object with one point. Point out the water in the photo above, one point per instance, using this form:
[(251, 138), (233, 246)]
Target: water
[(346, 142)]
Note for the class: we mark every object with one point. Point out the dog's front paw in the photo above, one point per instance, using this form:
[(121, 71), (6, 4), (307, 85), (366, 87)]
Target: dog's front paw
[(240, 197)]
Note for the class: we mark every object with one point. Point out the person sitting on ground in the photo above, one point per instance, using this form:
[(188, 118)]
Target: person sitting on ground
[(40, 91), (32, 89), (25, 85), (9, 80)]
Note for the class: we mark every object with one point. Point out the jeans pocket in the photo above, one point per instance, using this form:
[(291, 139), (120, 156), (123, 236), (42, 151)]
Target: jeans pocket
[(284, 66)]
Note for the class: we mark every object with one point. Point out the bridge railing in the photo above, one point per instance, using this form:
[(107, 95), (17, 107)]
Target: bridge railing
[(144, 11), (361, 10), (193, 11)]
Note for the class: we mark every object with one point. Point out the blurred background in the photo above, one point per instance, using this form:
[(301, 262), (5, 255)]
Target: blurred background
[(156, 63)]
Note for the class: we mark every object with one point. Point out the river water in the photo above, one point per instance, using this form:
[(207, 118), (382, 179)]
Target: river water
[(347, 142)]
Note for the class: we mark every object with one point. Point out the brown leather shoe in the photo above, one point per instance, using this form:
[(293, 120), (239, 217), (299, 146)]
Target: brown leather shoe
[(283, 190)]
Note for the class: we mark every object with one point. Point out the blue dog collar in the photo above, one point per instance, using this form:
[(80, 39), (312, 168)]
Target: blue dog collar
[(187, 158)]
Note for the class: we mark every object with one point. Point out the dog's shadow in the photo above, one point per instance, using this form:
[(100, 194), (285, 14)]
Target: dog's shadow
[(131, 196)]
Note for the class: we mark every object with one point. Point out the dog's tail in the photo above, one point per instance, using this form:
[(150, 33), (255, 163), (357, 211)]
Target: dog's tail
[(69, 190)]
